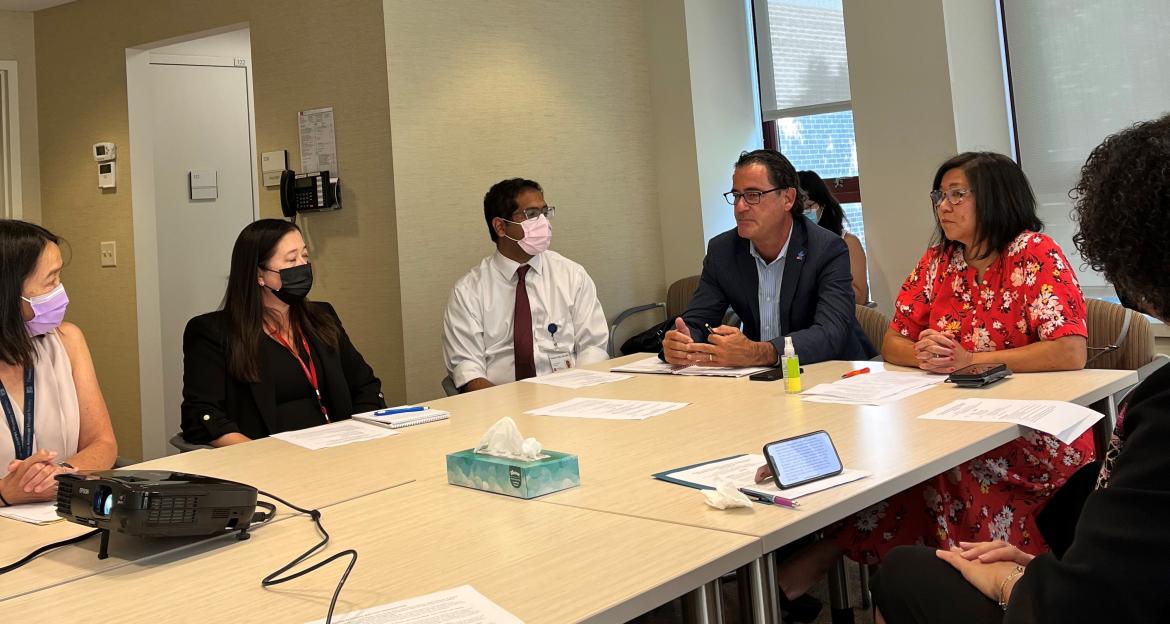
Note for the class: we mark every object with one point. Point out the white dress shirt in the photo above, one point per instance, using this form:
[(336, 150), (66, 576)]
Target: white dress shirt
[(477, 327)]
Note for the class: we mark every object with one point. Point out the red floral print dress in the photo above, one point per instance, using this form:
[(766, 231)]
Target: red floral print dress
[(1028, 293)]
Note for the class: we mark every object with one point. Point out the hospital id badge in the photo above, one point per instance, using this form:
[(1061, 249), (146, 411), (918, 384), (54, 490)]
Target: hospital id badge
[(559, 360)]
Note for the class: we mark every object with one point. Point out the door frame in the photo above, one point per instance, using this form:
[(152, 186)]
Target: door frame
[(11, 206), (153, 402)]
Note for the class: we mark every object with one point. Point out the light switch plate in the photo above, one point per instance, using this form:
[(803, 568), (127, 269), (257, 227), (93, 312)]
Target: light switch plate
[(109, 254)]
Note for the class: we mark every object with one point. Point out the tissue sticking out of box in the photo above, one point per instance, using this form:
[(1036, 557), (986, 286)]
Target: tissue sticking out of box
[(503, 439)]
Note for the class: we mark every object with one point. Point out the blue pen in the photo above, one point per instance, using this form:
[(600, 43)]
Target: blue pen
[(400, 410)]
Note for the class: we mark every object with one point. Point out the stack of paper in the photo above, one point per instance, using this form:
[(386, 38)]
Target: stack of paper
[(655, 366), (402, 416), (872, 388), (334, 434), (461, 605), (577, 378), (1065, 421), (33, 513), (741, 471), (608, 409)]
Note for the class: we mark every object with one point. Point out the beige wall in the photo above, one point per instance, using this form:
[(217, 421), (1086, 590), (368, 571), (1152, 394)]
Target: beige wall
[(304, 54), (16, 44), (556, 92), (905, 126)]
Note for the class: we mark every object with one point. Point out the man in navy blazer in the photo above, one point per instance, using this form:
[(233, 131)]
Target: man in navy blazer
[(781, 274)]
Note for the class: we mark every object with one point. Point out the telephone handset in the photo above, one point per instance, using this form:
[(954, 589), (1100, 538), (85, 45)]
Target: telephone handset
[(308, 192)]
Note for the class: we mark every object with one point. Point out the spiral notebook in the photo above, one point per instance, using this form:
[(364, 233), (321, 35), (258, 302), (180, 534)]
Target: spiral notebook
[(406, 419)]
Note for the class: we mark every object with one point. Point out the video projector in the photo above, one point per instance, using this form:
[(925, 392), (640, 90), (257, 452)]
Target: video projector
[(155, 503)]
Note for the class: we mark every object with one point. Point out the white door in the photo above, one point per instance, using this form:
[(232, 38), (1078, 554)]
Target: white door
[(201, 121)]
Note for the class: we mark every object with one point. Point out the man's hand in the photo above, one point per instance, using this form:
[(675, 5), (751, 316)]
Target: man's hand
[(727, 346), (676, 342)]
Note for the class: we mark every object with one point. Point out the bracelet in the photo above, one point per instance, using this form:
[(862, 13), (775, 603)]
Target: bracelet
[(5, 501), (1016, 573)]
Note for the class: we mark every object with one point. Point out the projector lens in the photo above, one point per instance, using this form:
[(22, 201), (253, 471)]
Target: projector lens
[(103, 501)]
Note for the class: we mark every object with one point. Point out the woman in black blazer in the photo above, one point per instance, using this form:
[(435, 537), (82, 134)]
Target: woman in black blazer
[(270, 360), (1114, 569)]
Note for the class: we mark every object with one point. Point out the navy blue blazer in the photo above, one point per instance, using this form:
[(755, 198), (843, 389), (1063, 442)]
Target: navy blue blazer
[(816, 296)]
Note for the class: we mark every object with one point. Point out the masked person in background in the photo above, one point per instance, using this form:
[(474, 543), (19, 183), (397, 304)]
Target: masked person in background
[(55, 419), (525, 310), (270, 360)]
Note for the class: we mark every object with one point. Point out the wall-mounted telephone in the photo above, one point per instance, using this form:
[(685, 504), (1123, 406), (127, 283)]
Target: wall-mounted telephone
[(308, 192)]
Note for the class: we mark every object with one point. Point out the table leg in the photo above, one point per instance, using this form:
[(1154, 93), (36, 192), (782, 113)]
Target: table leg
[(765, 598), (839, 593), (704, 605)]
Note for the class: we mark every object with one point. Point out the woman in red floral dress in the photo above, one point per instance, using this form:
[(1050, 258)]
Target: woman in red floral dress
[(991, 289)]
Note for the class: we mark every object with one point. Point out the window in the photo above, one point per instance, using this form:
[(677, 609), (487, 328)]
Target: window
[(1079, 71), (804, 94)]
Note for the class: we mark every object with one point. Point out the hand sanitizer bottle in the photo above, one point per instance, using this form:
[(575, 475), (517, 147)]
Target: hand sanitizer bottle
[(790, 364)]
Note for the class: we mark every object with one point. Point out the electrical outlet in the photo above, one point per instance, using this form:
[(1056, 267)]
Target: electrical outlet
[(109, 254)]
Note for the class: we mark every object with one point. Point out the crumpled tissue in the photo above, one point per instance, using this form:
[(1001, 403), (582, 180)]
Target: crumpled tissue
[(726, 496), (503, 439)]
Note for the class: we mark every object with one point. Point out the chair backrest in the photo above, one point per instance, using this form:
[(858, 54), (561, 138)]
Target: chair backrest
[(1106, 320), (678, 296), (873, 323)]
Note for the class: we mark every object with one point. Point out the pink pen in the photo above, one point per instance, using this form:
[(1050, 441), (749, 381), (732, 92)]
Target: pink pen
[(768, 498)]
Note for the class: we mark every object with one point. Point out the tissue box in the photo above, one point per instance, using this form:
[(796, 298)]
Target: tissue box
[(513, 477)]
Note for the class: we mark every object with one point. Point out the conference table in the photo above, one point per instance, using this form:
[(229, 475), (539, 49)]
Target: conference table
[(724, 417)]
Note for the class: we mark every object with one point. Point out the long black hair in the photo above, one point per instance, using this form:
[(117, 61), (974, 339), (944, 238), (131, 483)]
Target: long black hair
[(832, 216), (1005, 206), (245, 308), (21, 245)]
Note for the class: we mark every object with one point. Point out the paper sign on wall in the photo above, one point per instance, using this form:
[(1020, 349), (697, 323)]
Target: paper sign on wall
[(318, 143)]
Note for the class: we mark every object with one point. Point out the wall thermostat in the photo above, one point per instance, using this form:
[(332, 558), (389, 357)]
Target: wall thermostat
[(105, 152), (106, 175)]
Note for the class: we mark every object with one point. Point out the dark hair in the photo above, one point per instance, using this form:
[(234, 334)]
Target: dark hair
[(1122, 207), (500, 200), (21, 245), (1005, 206), (245, 308), (832, 215), (781, 173)]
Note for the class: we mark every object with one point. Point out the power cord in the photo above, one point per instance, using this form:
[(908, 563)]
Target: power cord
[(46, 548), (275, 578)]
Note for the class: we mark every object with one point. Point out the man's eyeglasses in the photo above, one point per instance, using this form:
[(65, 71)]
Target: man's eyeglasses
[(955, 196), (751, 197), (532, 213)]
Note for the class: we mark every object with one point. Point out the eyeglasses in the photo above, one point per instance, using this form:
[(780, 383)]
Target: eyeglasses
[(955, 196), (532, 213), (751, 197)]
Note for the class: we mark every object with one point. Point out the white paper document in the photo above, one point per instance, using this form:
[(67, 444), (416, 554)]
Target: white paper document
[(462, 605), (655, 366), (742, 472), (32, 513), (1065, 421), (872, 388), (609, 409), (335, 434), (577, 378)]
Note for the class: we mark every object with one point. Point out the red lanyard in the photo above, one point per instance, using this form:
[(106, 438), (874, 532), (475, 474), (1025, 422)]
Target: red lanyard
[(310, 370)]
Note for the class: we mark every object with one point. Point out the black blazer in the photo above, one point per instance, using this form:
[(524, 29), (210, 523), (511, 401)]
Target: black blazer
[(215, 403), (816, 295), (1117, 568)]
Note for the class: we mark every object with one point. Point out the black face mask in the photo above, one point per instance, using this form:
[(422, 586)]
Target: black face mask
[(295, 283)]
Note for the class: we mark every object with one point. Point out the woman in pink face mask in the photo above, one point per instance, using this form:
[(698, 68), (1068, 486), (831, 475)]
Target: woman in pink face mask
[(55, 419)]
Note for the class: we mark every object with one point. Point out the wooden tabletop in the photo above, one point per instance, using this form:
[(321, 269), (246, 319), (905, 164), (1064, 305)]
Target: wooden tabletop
[(543, 563)]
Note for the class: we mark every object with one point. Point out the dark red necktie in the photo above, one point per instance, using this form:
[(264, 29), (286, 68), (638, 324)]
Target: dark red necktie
[(522, 328)]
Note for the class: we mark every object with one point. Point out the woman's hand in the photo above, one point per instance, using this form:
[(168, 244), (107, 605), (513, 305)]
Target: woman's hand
[(990, 552), (940, 352), (31, 480), (988, 578)]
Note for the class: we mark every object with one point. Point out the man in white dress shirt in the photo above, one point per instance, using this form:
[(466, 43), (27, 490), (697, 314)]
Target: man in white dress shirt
[(494, 330)]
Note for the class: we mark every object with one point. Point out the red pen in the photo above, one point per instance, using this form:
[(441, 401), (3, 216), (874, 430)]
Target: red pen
[(854, 373), (768, 498)]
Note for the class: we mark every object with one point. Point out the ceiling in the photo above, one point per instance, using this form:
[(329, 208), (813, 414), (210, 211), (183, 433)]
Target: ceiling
[(29, 5)]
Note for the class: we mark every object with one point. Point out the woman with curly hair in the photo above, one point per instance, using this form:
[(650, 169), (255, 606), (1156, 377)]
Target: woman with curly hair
[(991, 289), (1114, 570)]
